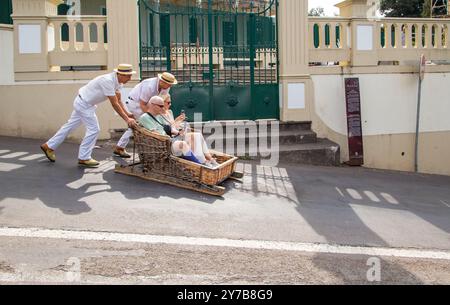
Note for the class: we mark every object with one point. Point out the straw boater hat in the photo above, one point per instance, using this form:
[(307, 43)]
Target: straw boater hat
[(125, 69), (168, 78)]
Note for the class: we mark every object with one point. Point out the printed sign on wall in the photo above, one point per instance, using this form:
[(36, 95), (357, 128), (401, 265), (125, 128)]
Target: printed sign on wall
[(355, 136)]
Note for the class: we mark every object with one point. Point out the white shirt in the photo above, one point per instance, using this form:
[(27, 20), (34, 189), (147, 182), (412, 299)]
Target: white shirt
[(147, 89), (99, 89)]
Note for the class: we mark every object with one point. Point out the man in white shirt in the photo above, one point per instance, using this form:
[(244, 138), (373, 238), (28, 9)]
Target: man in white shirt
[(137, 103), (95, 92)]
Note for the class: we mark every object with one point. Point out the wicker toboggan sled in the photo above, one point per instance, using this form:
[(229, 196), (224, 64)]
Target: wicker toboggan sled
[(158, 164)]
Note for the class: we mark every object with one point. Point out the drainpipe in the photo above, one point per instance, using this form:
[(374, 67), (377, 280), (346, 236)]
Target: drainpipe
[(421, 77)]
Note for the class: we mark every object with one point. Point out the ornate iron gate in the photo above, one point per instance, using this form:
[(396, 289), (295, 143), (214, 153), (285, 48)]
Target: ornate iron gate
[(223, 52)]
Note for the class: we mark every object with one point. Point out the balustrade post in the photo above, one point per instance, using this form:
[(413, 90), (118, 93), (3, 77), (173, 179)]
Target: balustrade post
[(388, 36), (72, 35), (100, 36), (86, 36), (420, 37), (409, 36), (57, 25), (344, 36), (437, 36), (333, 36), (322, 36), (399, 37)]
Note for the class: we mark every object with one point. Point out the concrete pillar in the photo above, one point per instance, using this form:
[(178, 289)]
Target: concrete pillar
[(364, 30), (30, 34), (123, 33), (364, 42), (296, 85)]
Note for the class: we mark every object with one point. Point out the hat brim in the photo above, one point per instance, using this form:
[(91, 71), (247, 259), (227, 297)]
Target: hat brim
[(125, 73), (163, 80)]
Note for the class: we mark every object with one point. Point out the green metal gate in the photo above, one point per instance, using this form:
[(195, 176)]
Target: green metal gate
[(6, 11), (224, 54)]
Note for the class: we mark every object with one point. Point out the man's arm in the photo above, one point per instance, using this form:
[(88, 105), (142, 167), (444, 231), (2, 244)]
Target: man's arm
[(119, 98), (119, 109), (143, 106)]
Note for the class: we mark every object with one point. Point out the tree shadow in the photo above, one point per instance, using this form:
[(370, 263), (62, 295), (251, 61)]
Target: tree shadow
[(40, 180), (329, 198), (27, 174), (325, 202)]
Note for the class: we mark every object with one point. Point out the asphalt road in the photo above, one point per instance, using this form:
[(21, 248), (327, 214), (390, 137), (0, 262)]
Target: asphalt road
[(289, 203)]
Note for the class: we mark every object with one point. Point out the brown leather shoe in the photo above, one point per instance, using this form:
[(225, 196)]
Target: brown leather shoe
[(121, 152), (49, 153)]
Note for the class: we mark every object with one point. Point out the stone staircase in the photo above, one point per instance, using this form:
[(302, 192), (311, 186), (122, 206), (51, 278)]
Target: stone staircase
[(293, 142)]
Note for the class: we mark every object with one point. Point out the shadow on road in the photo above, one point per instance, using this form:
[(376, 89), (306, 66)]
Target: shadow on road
[(65, 186), (358, 270)]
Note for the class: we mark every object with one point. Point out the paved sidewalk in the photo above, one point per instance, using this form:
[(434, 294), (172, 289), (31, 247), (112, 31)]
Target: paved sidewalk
[(344, 206)]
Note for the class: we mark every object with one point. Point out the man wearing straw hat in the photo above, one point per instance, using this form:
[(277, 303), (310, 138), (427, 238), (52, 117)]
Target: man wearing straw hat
[(95, 92), (137, 103)]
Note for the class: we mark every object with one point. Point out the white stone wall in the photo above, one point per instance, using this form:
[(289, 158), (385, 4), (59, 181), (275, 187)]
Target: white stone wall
[(389, 107), (388, 102)]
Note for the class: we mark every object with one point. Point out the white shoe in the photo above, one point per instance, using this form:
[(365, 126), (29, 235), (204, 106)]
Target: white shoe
[(214, 163), (208, 165)]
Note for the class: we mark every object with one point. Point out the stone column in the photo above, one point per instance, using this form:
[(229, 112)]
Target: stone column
[(364, 30), (30, 34), (296, 85), (123, 33)]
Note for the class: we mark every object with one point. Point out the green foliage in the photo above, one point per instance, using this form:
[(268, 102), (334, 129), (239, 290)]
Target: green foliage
[(317, 12), (413, 8), (439, 8), (402, 8)]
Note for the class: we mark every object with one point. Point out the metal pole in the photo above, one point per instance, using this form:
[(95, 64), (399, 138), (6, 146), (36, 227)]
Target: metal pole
[(416, 163), (211, 68), (140, 38), (252, 64)]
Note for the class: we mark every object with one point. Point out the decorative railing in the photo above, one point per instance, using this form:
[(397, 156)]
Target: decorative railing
[(329, 39), (183, 56), (369, 42), (74, 38), (405, 39)]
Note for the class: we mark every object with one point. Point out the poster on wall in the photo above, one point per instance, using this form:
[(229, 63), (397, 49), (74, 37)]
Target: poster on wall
[(354, 121)]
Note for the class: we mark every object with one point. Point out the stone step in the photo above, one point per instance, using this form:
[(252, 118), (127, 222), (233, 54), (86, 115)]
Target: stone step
[(283, 137), (283, 126), (322, 153), (247, 138)]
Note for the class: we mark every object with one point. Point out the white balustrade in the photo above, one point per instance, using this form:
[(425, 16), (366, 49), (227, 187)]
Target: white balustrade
[(396, 39), (70, 51), (328, 39)]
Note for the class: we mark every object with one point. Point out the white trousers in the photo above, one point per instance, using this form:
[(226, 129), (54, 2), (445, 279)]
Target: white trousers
[(81, 115), (135, 109), (198, 145)]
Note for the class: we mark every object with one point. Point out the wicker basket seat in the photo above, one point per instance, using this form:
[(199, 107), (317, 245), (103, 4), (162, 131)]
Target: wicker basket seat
[(157, 163)]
